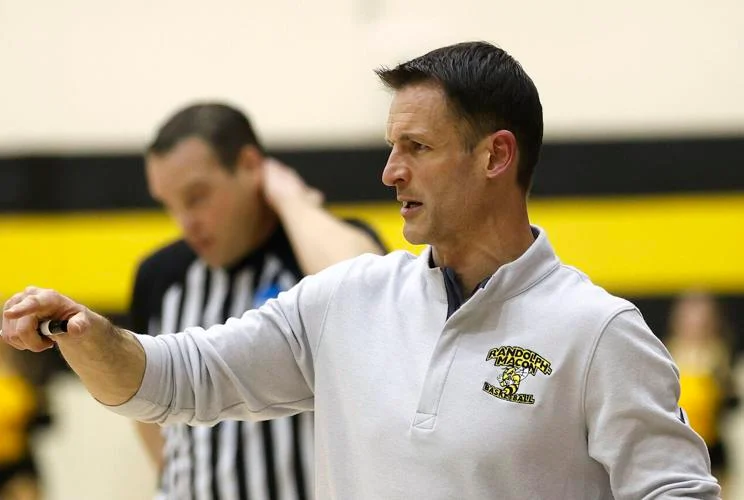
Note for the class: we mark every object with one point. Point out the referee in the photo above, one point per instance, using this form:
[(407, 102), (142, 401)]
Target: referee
[(251, 228)]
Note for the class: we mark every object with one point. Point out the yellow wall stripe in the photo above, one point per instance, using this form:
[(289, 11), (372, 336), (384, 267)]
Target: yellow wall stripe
[(633, 246)]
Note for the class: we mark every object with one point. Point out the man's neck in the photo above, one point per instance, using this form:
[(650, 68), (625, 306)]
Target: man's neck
[(475, 259), (269, 221), (261, 233)]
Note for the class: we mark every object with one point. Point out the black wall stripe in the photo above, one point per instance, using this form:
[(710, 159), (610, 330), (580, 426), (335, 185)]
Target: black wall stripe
[(647, 167), (116, 181)]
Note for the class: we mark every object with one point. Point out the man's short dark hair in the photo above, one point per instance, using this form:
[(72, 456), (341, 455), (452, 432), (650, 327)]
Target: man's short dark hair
[(487, 89), (226, 129)]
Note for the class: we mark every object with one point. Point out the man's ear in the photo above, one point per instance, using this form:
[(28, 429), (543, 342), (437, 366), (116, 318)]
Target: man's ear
[(503, 153), (249, 158)]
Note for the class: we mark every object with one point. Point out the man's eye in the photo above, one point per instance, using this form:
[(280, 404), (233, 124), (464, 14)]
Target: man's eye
[(417, 146)]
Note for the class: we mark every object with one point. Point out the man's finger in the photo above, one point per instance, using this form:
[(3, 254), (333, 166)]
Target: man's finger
[(13, 343), (272, 162), (13, 300), (38, 302), (316, 196), (9, 335), (26, 329), (78, 323), (28, 305)]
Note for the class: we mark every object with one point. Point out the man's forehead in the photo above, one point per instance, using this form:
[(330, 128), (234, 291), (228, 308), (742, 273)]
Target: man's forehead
[(418, 112), (178, 171)]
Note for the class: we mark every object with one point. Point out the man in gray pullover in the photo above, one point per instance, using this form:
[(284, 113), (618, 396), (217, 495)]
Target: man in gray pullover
[(483, 368)]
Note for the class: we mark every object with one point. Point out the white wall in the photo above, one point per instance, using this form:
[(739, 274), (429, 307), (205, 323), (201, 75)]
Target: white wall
[(85, 74)]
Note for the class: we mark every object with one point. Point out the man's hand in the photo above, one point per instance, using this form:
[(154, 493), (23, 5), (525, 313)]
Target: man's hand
[(109, 361), (23, 313), (284, 188), (318, 238)]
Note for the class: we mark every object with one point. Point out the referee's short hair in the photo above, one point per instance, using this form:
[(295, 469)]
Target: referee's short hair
[(226, 129)]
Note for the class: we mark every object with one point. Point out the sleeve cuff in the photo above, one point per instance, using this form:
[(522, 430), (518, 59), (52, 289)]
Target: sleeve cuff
[(147, 404)]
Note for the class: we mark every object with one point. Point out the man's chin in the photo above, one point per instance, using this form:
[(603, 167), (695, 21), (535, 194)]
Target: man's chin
[(413, 237)]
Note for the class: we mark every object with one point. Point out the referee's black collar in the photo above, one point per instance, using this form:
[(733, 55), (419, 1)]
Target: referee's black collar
[(278, 242)]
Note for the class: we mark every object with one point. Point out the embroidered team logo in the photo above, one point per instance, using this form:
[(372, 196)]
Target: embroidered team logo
[(515, 365)]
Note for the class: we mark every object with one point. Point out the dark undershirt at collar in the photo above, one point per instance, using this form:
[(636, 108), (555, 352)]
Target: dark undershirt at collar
[(455, 297)]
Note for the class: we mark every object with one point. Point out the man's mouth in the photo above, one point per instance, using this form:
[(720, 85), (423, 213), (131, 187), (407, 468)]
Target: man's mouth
[(410, 208)]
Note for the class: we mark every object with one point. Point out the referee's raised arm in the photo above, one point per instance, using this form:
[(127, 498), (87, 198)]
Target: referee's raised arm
[(109, 360)]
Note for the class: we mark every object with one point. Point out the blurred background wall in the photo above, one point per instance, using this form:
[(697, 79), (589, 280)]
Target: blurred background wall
[(95, 75), (641, 183)]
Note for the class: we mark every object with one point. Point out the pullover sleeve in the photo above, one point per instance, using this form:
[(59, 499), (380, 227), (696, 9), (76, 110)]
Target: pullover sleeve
[(635, 427), (256, 367)]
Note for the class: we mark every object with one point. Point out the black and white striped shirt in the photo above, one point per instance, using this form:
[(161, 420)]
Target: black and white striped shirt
[(234, 460)]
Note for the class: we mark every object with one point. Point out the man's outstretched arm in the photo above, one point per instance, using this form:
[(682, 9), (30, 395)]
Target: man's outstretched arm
[(258, 366)]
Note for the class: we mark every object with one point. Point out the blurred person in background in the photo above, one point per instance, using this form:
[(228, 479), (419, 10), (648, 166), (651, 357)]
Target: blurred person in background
[(699, 339), (251, 228), (19, 479)]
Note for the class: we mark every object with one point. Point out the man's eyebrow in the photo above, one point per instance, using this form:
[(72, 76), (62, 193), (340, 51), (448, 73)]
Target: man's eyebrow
[(404, 137)]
